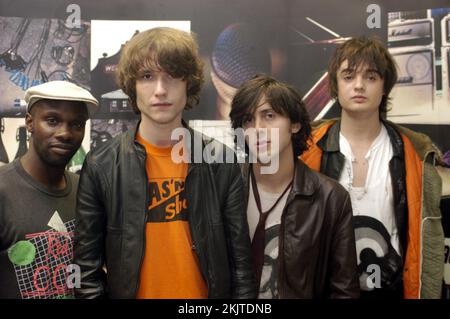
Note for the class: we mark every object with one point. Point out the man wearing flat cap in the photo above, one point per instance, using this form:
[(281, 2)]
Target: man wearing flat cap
[(38, 196)]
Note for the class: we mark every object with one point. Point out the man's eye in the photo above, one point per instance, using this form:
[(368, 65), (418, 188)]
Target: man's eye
[(147, 76), (270, 115), (347, 77), (52, 121), (78, 125)]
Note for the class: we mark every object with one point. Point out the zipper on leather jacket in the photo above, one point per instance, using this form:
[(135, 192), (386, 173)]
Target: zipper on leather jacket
[(194, 246), (145, 225)]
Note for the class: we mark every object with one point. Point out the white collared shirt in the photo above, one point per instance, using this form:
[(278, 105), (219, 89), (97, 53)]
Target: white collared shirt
[(375, 199)]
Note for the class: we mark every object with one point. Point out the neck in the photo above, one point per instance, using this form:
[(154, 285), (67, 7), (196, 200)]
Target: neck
[(158, 134), (277, 182), (49, 176), (360, 127)]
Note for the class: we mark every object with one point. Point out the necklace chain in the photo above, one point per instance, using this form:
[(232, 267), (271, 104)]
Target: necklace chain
[(350, 180)]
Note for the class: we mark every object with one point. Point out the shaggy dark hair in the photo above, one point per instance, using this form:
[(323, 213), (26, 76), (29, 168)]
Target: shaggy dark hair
[(365, 51), (171, 50), (284, 100)]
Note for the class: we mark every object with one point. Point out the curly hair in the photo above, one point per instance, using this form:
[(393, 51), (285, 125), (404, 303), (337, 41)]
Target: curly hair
[(171, 50), (365, 51), (284, 100)]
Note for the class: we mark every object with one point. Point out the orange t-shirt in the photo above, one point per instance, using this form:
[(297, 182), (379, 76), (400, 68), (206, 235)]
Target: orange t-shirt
[(170, 268)]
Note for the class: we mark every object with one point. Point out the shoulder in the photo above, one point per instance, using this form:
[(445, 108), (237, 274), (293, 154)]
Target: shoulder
[(107, 154), (311, 182), (6, 169), (322, 125), (8, 174), (327, 195), (109, 147), (215, 153), (420, 142), (321, 131), (330, 186), (73, 178), (5, 175)]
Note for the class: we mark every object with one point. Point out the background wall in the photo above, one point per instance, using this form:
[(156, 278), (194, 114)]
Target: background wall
[(298, 36)]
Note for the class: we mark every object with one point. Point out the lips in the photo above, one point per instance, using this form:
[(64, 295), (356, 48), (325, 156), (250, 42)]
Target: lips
[(359, 98), (162, 104), (62, 149), (262, 144)]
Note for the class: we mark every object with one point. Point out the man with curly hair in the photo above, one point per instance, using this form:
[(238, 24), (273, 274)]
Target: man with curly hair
[(300, 221), (160, 227)]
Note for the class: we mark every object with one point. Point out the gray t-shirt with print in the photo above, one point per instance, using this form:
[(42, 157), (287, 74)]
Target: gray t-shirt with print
[(36, 232)]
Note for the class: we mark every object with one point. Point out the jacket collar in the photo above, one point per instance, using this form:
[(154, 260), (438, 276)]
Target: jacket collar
[(396, 139), (421, 142), (305, 181), (330, 141)]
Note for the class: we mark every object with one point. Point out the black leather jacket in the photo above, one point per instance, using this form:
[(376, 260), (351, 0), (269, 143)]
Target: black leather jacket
[(317, 256), (111, 219)]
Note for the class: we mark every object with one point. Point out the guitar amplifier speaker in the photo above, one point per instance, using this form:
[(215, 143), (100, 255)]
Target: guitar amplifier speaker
[(411, 43)]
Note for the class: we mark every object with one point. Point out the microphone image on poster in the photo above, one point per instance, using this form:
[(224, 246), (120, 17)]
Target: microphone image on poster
[(240, 53)]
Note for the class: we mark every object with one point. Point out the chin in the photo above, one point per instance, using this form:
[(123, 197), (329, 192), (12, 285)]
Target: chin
[(266, 158), (60, 162), (164, 119)]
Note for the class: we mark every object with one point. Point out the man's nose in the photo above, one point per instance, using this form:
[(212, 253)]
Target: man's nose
[(259, 123), (64, 132), (160, 88), (359, 82), (261, 128)]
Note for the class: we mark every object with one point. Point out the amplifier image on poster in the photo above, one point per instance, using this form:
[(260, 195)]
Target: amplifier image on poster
[(418, 42)]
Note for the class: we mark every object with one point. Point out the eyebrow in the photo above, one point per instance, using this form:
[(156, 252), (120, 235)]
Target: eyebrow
[(145, 71), (263, 108), (79, 116), (352, 70), (258, 109)]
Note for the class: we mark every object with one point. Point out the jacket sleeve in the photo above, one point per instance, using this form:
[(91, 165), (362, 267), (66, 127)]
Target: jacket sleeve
[(90, 233), (238, 238), (344, 281)]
